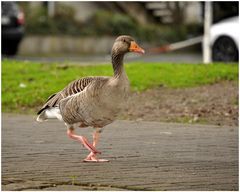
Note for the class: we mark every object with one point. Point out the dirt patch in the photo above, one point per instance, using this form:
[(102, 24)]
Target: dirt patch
[(211, 104)]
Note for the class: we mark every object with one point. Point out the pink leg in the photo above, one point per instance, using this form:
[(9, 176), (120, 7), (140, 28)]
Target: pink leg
[(92, 157), (83, 140)]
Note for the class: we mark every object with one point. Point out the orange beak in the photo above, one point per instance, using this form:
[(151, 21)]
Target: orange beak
[(134, 47)]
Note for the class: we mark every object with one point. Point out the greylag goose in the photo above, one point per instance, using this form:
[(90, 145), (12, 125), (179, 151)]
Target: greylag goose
[(92, 101)]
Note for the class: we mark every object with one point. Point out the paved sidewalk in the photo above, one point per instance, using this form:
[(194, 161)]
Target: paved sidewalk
[(143, 156)]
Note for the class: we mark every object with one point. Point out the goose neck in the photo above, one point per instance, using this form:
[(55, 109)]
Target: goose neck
[(117, 63)]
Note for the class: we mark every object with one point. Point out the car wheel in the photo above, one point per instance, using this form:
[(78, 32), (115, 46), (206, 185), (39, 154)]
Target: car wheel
[(10, 48), (224, 49)]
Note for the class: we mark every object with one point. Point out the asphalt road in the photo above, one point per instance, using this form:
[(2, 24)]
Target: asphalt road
[(179, 57), (143, 156)]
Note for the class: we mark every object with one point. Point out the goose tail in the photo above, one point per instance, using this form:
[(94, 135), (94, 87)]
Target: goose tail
[(49, 113)]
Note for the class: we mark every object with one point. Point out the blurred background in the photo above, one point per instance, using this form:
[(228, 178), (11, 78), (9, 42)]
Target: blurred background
[(59, 31)]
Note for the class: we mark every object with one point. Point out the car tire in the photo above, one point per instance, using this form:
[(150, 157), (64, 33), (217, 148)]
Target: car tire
[(10, 48), (224, 49)]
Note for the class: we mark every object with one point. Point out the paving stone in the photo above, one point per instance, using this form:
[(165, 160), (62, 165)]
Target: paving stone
[(143, 156)]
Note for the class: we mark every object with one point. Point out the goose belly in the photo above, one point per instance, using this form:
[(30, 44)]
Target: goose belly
[(88, 111)]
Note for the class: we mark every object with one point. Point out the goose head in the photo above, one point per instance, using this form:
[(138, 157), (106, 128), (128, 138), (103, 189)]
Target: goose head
[(124, 44)]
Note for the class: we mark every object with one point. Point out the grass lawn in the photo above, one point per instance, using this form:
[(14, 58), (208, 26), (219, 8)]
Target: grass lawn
[(26, 85)]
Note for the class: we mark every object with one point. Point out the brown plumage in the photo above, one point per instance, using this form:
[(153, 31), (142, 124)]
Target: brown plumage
[(72, 88), (92, 101)]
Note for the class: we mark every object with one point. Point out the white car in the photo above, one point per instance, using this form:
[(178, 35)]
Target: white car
[(225, 40)]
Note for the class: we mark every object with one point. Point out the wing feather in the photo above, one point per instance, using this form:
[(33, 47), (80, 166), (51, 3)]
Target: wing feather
[(72, 88)]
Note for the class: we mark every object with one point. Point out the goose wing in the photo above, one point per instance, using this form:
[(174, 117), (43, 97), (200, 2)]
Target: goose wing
[(72, 88), (86, 106)]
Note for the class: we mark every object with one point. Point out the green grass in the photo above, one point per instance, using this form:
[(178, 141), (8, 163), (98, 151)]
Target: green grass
[(41, 80)]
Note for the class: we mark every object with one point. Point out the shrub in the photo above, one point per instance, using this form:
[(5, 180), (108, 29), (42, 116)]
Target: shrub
[(38, 22), (101, 23), (108, 23)]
